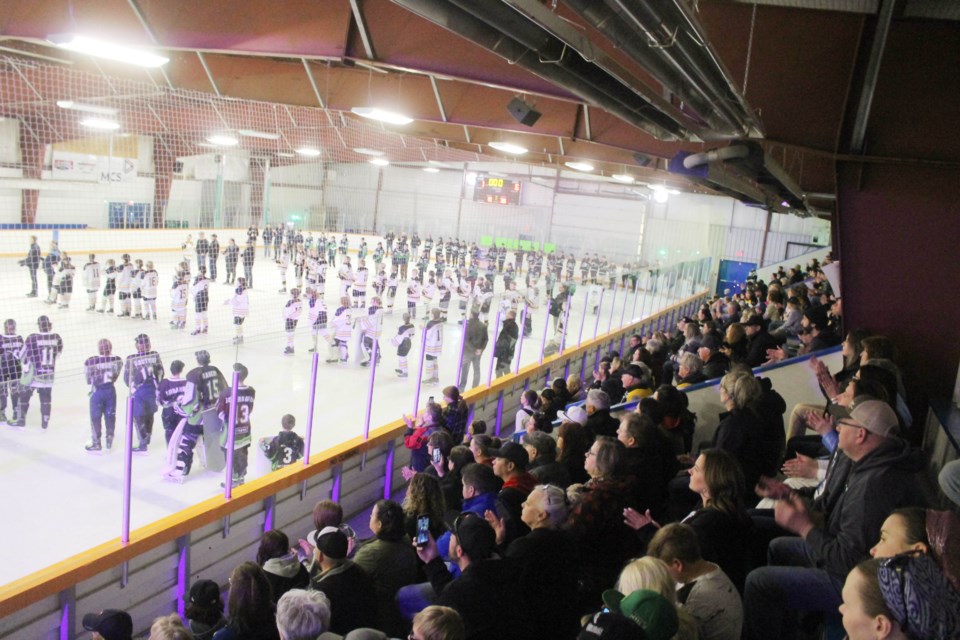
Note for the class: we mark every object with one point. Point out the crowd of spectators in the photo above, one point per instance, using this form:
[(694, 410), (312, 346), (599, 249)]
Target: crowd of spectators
[(611, 524)]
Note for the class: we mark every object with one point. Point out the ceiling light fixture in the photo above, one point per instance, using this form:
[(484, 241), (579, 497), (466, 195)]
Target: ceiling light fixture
[(87, 108), (100, 123), (579, 166), (625, 178), (263, 135), (110, 51), (380, 162), (285, 154), (368, 152), (309, 152), (223, 140), (508, 147), (431, 170), (374, 113), (660, 195)]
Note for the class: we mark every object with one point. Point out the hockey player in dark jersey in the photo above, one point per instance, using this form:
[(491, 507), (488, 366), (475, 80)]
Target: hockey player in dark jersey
[(39, 358), (10, 368), (248, 256), (284, 448), (141, 372), (241, 428), (169, 392), (198, 406), (102, 371)]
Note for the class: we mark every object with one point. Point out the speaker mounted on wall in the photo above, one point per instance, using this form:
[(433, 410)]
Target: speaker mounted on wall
[(523, 113)]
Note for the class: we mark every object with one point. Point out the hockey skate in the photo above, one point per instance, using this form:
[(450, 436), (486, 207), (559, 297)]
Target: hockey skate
[(237, 481), (175, 475), (94, 448), (140, 449), (109, 442), (195, 332), (288, 351)]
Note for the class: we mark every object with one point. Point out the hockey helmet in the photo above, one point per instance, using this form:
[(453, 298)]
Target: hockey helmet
[(44, 323), (104, 347), (203, 357), (143, 342)]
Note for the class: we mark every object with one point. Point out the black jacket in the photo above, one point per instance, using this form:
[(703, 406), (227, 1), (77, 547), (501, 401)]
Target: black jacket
[(744, 433), (601, 423), (717, 366), (550, 472), (353, 602), (757, 346), (477, 334), (547, 560), (507, 340)]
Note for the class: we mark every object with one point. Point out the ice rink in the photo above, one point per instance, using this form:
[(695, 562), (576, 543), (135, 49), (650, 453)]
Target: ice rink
[(61, 500)]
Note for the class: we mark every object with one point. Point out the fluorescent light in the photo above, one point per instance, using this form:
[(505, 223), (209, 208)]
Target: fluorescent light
[(626, 178), (382, 115), (660, 195), (101, 49), (431, 170), (88, 108), (508, 147), (380, 162), (100, 123), (285, 154), (310, 152), (250, 133), (368, 152), (223, 140), (580, 166), (437, 163)]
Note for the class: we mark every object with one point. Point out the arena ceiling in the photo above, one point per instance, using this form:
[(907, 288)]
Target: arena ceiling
[(626, 84)]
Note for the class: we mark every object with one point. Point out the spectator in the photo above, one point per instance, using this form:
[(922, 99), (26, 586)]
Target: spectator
[(575, 388), (806, 572), (510, 465), (417, 436), (703, 589), (460, 457), (439, 446), (529, 404), (542, 451), (32, 262), (455, 413), (573, 442), (559, 386), (437, 623), (505, 346), (637, 381), (204, 611), (390, 561), (549, 405), (653, 574), (249, 606), (916, 530), (598, 422), (735, 343), (758, 341), (109, 624), (715, 362), (690, 370), (654, 613), (348, 588), (424, 498), (648, 459), (476, 342), (279, 562), (169, 628), (304, 615)]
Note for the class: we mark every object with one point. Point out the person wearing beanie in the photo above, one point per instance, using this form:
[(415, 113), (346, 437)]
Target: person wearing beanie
[(109, 624)]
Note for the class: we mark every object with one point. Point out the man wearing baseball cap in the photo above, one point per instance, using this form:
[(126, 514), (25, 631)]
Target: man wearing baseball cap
[(882, 477), (109, 624), (347, 586), (510, 465)]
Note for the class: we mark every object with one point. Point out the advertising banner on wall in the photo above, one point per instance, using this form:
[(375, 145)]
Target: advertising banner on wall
[(92, 168)]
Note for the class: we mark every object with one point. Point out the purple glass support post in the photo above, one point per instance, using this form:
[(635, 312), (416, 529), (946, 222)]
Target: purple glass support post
[(68, 612), (583, 318), (596, 323), (583, 363), (463, 347), (423, 352), (623, 312), (516, 357), (183, 572), (127, 473), (337, 475), (310, 405), (499, 413), (543, 341), (388, 473), (231, 434), (373, 375), (546, 377), (566, 370), (566, 319), (613, 305), (493, 352)]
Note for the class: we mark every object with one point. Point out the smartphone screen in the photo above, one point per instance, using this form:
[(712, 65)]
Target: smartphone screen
[(423, 530), (430, 400), (436, 455)]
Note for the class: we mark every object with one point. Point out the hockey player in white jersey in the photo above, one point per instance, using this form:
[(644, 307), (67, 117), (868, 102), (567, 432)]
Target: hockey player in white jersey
[(109, 287), (91, 281), (149, 282), (401, 341), (178, 302), (291, 315), (345, 273), (123, 285), (201, 300), (371, 324), (317, 317), (342, 326), (136, 295), (360, 278), (283, 264), (240, 306)]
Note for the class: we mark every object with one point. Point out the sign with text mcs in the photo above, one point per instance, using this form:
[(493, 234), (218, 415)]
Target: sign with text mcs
[(90, 168)]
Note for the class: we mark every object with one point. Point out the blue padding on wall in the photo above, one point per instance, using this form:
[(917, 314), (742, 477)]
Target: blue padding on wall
[(40, 227)]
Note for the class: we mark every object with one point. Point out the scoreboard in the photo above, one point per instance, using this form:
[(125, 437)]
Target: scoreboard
[(497, 190)]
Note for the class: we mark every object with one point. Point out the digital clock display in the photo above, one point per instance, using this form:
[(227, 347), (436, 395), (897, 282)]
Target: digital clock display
[(497, 190)]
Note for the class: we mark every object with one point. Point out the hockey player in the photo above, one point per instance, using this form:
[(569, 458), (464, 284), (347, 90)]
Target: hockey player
[(65, 286), (447, 287), (379, 282), (433, 347), (342, 330), (401, 341), (345, 273), (291, 314), (370, 326), (283, 263), (483, 293), (168, 396), (213, 256), (39, 358), (10, 369), (240, 305), (149, 281), (378, 257), (141, 372), (344, 245), (241, 428), (464, 290), (249, 254), (123, 285), (427, 292), (317, 317), (532, 301), (284, 448), (360, 278), (392, 283), (102, 371), (332, 252), (198, 405), (136, 284), (230, 257), (413, 295), (109, 287), (91, 281), (362, 251), (201, 300), (178, 303)]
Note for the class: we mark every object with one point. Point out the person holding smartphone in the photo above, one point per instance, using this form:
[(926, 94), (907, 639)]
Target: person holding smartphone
[(417, 435)]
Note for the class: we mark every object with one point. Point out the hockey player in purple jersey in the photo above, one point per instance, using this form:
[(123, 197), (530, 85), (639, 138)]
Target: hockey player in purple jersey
[(242, 429), (10, 368), (198, 405), (169, 392), (102, 371), (141, 372), (39, 358)]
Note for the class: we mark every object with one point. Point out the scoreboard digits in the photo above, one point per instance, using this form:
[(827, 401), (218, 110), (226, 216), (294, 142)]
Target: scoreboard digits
[(497, 190)]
